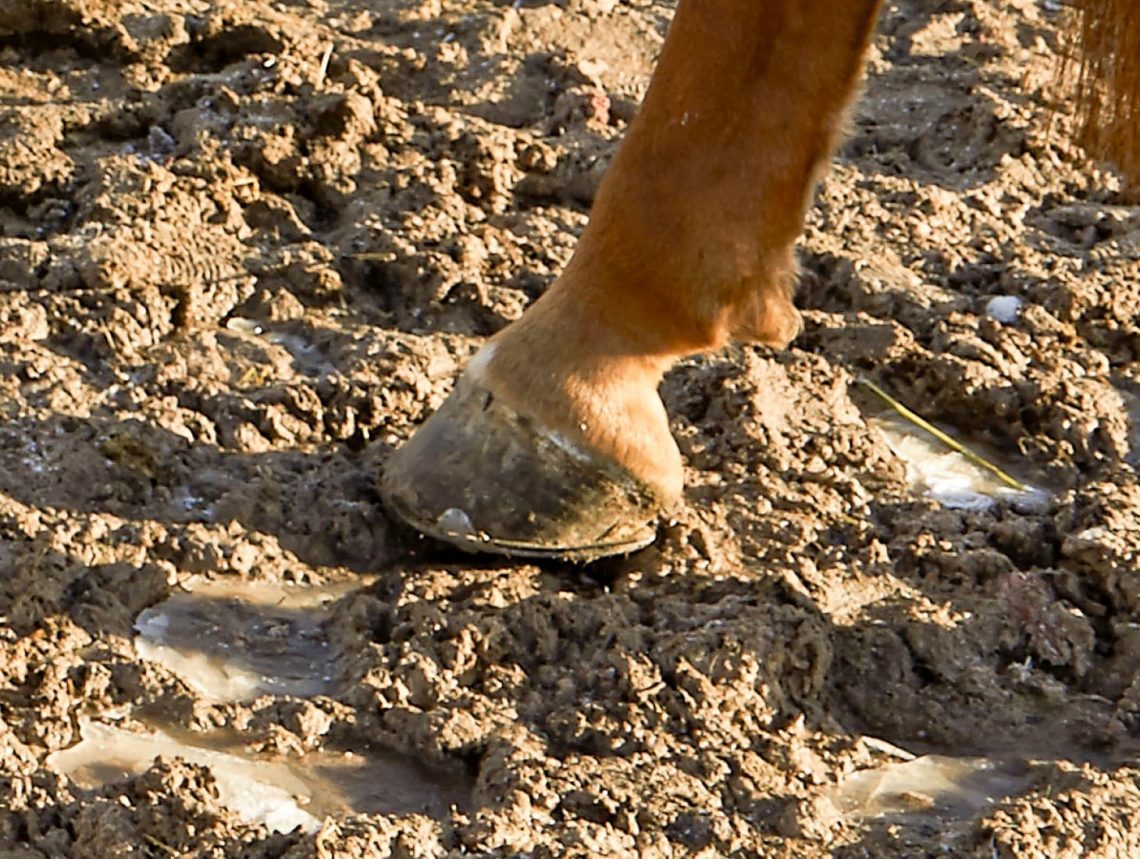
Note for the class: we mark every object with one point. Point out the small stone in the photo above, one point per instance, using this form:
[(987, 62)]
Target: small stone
[(1003, 308)]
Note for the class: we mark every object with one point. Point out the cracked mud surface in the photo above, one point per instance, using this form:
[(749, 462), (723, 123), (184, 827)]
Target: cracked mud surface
[(233, 277)]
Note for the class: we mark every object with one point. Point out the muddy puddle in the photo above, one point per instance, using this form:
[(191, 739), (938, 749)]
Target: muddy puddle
[(307, 357), (951, 478), (231, 642), (932, 789), (281, 793)]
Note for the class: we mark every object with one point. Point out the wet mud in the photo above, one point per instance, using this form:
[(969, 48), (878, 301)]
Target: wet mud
[(245, 248)]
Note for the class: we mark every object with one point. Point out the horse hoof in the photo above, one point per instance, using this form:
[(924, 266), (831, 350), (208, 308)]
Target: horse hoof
[(482, 477)]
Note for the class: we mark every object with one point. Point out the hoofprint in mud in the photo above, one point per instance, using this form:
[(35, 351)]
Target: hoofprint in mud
[(246, 249)]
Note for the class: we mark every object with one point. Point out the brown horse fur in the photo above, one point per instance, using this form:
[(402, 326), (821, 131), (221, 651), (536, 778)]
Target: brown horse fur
[(690, 239), (690, 242), (1108, 85)]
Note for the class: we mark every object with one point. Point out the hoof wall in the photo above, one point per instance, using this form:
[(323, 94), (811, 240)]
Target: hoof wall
[(482, 477)]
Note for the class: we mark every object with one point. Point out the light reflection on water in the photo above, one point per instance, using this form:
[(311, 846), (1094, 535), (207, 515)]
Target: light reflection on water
[(932, 788), (233, 641), (282, 793), (946, 475)]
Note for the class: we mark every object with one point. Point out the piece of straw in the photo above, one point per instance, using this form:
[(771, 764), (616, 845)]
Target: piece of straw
[(951, 443), (324, 68), (373, 256), (154, 842)]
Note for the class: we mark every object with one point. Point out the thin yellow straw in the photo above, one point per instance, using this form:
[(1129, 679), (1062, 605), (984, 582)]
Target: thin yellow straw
[(951, 443)]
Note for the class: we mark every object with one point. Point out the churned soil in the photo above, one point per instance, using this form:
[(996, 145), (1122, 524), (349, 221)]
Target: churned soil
[(246, 246)]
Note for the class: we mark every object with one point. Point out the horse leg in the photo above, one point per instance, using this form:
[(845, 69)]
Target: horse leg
[(555, 441)]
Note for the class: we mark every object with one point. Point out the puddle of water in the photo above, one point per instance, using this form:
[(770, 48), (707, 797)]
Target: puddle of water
[(231, 642), (280, 793), (308, 356), (931, 787), (259, 791), (946, 475)]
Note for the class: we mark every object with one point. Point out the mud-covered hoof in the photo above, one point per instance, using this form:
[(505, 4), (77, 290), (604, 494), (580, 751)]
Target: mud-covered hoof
[(482, 477)]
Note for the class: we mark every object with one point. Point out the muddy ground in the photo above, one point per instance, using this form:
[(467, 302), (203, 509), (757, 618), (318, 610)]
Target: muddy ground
[(245, 248)]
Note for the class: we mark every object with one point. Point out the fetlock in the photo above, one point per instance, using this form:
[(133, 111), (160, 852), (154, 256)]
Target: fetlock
[(589, 390)]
